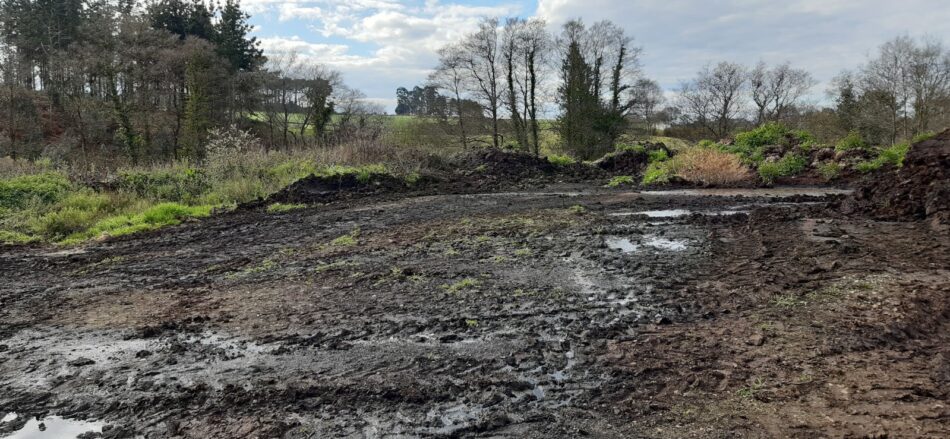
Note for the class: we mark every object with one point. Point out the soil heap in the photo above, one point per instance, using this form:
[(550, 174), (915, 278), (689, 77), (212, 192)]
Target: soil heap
[(918, 190)]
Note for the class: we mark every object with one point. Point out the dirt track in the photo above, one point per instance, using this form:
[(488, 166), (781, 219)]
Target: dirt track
[(496, 315)]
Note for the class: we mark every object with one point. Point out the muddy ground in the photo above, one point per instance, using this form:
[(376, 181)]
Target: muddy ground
[(561, 313)]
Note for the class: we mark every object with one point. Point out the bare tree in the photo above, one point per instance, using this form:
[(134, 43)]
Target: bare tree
[(930, 83), (450, 75), (480, 52), (776, 90), (524, 47), (714, 98), (647, 95)]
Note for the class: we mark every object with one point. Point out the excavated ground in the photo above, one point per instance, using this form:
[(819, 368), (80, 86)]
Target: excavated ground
[(494, 315)]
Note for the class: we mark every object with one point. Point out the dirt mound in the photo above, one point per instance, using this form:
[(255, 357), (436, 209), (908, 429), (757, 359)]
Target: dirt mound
[(918, 190), (630, 162), (498, 167), (322, 189)]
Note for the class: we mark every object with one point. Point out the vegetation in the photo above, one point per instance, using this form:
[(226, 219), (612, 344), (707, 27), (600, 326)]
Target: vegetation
[(561, 160), (788, 165), (620, 180), (709, 166), (281, 207)]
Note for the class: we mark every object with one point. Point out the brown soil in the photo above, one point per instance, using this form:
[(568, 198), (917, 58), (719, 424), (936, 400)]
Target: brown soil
[(490, 315)]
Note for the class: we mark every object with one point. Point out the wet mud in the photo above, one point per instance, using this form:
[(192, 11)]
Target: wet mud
[(576, 311)]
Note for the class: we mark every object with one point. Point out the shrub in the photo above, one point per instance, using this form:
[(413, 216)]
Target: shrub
[(561, 160), (45, 188), (620, 180), (61, 223), (709, 167), (852, 141), (179, 183), (892, 155), (364, 174), (657, 155), (656, 173), (771, 133), (791, 164), (634, 147), (829, 170)]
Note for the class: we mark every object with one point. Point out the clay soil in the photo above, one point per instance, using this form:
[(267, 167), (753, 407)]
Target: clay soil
[(539, 314)]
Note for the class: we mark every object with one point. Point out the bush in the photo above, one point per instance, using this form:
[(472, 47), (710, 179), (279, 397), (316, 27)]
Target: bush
[(791, 164), (829, 171), (657, 155), (852, 141), (710, 167), (620, 180), (892, 155), (633, 147), (179, 183), (771, 133), (656, 173), (561, 160), (45, 188)]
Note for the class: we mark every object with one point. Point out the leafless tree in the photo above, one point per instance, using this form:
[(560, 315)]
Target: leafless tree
[(481, 54), (776, 90), (714, 98), (450, 75)]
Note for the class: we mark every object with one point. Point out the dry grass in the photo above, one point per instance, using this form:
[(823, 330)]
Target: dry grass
[(711, 167)]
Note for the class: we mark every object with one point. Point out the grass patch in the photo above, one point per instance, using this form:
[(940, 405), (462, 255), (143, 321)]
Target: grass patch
[(462, 285), (282, 207), (620, 180), (829, 170), (561, 160), (577, 209), (789, 165), (852, 141), (347, 240)]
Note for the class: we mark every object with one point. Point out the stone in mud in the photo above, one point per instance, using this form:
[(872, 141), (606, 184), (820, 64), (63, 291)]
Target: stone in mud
[(80, 362)]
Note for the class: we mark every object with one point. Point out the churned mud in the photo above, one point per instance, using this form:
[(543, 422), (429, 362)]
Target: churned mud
[(577, 311)]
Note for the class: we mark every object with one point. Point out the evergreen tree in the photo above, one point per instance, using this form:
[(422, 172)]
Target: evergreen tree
[(233, 43), (579, 104)]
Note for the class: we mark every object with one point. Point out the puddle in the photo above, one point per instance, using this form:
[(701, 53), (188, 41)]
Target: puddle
[(9, 417), (52, 427), (773, 192), (627, 246), (674, 213)]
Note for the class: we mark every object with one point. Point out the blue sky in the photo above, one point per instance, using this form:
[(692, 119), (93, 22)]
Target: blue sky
[(379, 45)]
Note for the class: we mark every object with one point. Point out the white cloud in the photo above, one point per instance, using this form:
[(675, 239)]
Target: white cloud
[(381, 44)]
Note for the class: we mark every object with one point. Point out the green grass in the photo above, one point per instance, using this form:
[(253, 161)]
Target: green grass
[(657, 173), (789, 165), (464, 284), (561, 160), (829, 170), (347, 240), (281, 207), (892, 155), (852, 141), (620, 180)]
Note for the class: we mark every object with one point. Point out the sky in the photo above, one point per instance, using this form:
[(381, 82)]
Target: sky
[(379, 45)]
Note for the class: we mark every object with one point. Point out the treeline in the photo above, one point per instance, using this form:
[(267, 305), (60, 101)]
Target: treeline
[(490, 88), (133, 81), (901, 91), (493, 86)]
